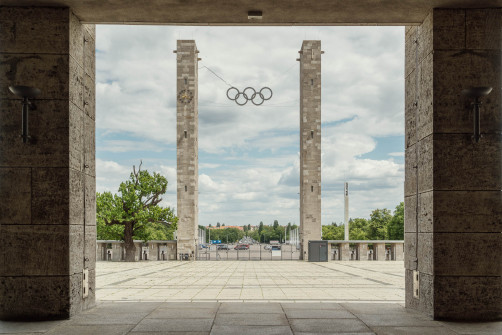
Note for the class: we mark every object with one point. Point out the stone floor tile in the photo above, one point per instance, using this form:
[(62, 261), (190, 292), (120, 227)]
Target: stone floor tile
[(318, 314), (91, 329), (407, 320), (250, 330), (375, 308), (107, 318), (169, 333), (485, 328), (413, 331), (8, 327), (328, 326), (171, 325), (248, 319), (250, 307), (310, 305), (183, 313), (120, 307)]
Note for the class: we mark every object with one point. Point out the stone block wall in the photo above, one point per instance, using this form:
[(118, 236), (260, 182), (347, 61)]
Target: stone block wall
[(453, 199), (310, 144), (187, 146), (47, 186)]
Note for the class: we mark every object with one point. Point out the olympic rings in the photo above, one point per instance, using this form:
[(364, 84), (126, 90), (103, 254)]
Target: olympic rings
[(249, 93)]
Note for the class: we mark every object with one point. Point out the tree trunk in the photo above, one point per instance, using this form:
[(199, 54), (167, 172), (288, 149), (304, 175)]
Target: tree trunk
[(130, 248)]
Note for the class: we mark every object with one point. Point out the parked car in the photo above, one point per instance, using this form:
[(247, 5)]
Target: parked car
[(203, 246), (267, 247), (223, 247), (242, 247)]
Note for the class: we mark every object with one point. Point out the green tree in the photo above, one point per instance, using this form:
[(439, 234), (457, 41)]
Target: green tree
[(276, 224), (332, 232), (358, 229), (218, 225), (395, 228), (377, 228), (134, 212)]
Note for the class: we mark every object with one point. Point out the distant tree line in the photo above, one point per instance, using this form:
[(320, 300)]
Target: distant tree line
[(382, 225)]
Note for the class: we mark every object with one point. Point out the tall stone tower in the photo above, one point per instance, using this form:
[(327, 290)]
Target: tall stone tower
[(310, 144), (187, 146), (346, 210)]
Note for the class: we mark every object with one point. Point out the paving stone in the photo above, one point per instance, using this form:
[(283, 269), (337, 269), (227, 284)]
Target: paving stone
[(91, 329), (310, 306), (328, 325), (96, 318), (318, 314), (249, 319), (125, 307), (185, 313), (475, 327), (235, 308), (14, 327), (395, 320), (412, 331), (250, 330), (174, 325)]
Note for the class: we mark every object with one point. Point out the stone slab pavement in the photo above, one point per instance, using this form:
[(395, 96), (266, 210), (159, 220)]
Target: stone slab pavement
[(254, 318), (246, 281)]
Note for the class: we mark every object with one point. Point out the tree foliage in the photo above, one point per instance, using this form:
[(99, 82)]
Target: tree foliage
[(381, 225), (135, 211)]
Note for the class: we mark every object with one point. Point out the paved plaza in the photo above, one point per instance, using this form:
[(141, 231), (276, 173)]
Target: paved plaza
[(255, 298), (243, 281)]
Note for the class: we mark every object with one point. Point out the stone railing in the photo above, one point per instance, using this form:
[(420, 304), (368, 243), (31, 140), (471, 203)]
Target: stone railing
[(366, 250)]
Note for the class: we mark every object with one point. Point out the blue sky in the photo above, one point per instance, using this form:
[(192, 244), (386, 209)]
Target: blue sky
[(248, 156)]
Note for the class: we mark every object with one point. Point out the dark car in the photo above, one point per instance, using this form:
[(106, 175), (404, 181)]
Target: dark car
[(223, 247), (242, 247)]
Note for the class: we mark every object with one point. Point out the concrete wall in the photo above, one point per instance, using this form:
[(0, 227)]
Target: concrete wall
[(310, 144), (453, 203), (47, 186), (187, 146)]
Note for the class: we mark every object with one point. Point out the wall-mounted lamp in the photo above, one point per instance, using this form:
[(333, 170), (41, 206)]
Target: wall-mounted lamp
[(477, 93), (26, 93)]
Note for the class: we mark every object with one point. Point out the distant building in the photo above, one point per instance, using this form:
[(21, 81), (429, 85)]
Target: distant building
[(224, 227)]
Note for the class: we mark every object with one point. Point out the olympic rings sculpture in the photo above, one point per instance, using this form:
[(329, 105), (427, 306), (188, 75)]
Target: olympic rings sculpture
[(249, 93)]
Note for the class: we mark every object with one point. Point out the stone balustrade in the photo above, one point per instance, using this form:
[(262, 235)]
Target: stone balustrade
[(366, 250)]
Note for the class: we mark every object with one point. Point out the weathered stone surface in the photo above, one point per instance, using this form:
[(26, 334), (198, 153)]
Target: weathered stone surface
[(90, 200), (90, 29), (76, 249), (425, 303), (90, 247), (410, 171), (89, 97), (453, 112), (15, 196), (425, 214), (410, 251), (76, 40), (76, 140), (45, 71), (48, 127), (410, 210), (89, 54), (467, 298), (76, 90), (461, 164), (76, 197), (426, 176), (448, 29), (89, 146), (468, 211), (483, 28), (426, 260), (468, 254), (34, 250), (50, 196), (34, 298), (23, 31), (410, 117), (425, 98)]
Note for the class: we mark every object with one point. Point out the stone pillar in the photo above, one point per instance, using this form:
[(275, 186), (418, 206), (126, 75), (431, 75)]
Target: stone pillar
[(344, 252), (363, 251), (379, 251), (397, 251), (187, 146), (47, 186), (310, 144), (453, 203)]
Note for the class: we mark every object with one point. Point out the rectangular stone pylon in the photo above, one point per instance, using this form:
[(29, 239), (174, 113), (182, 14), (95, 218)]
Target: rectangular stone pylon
[(187, 146), (48, 185), (310, 144), (453, 203)]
